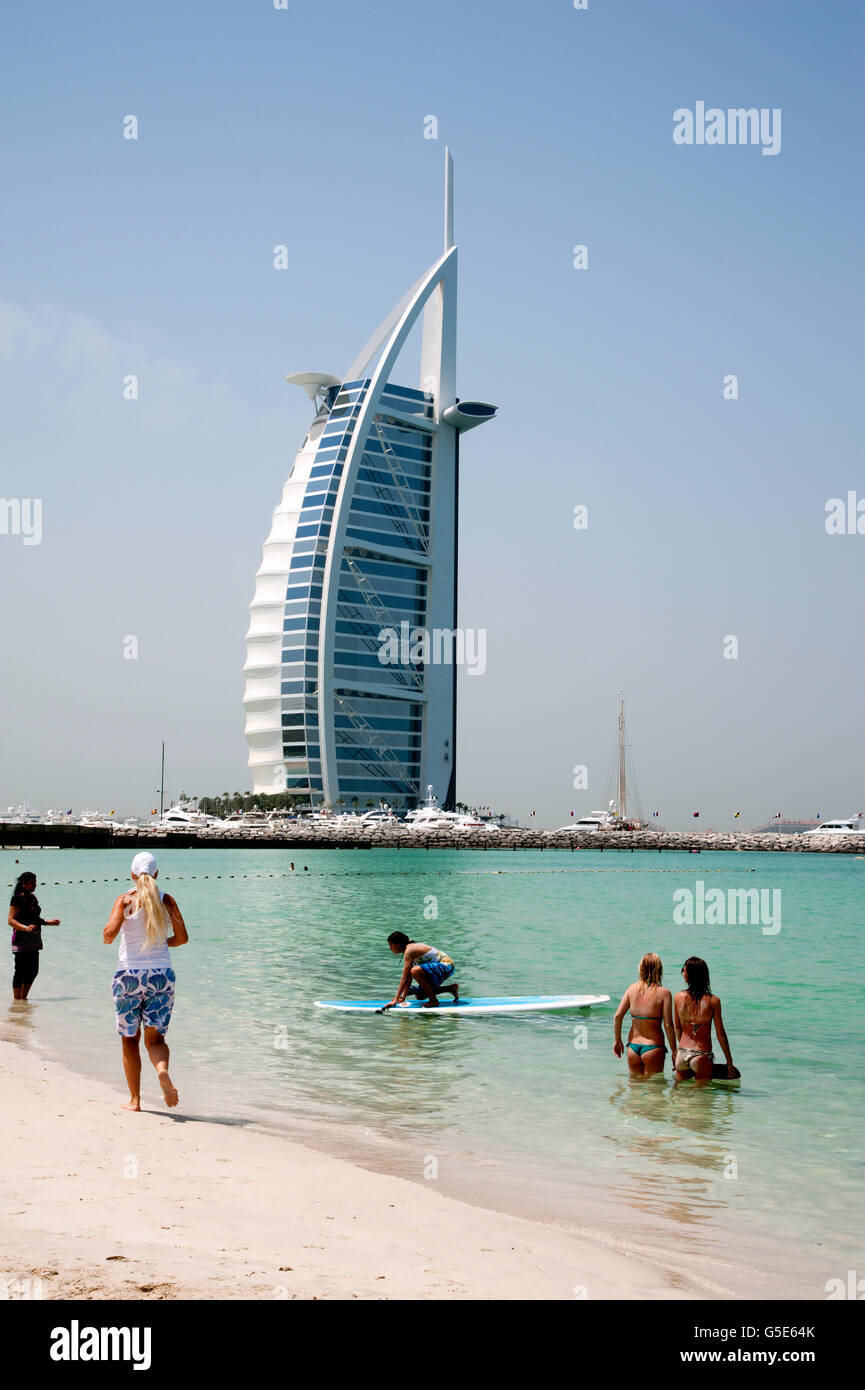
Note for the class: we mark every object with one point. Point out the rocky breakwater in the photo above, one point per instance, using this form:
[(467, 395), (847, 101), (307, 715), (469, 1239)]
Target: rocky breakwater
[(705, 840), (317, 836)]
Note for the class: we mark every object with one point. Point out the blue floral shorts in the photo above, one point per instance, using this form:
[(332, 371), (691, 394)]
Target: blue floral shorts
[(436, 971), (143, 998)]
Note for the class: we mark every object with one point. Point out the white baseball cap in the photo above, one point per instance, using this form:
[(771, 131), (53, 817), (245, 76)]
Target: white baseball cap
[(144, 863)]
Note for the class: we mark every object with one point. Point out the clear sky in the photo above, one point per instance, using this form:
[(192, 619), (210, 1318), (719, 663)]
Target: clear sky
[(305, 127)]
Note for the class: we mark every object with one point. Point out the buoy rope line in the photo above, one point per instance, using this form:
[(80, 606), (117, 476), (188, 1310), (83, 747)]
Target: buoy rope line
[(380, 873)]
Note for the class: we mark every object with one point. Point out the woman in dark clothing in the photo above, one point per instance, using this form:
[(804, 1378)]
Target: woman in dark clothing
[(26, 921)]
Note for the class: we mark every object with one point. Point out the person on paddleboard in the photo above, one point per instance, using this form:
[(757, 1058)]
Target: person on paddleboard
[(650, 1004), (695, 1009), (426, 966)]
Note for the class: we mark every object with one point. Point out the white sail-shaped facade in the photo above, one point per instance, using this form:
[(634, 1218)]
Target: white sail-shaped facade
[(363, 544)]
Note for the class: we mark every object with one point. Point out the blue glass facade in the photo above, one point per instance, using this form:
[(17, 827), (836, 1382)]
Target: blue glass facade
[(377, 727)]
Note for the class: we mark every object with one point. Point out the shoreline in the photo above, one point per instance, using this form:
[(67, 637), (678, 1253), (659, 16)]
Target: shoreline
[(176, 1205), (185, 1205)]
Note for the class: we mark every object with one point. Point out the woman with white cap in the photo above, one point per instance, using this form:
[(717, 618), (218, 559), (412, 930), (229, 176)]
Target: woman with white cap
[(143, 983)]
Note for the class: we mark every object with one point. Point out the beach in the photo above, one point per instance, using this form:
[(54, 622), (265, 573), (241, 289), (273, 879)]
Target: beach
[(317, 1154), (105, 1204)]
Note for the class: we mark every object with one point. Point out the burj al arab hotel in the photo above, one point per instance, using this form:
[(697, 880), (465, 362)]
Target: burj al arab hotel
[(364, 541)]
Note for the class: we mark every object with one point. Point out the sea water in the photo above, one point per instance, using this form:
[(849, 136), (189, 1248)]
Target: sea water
[(529, 1113)]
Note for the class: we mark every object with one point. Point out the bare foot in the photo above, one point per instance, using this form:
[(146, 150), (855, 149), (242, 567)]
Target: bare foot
[(169, 1090), (133, 1104), (431, 1004)]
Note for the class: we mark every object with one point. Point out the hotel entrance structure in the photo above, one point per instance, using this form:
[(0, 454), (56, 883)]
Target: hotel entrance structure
[(364, 540)]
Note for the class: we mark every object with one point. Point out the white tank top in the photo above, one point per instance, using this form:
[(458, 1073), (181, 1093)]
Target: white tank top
[(132, 952)]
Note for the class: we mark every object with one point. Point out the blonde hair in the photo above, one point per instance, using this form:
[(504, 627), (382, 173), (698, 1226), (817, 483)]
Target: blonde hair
[(651, 969), (155, 915)]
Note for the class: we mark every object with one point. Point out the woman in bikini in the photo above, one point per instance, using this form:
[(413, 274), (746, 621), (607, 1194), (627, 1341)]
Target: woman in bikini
[(650, 1004), (695, 1009)]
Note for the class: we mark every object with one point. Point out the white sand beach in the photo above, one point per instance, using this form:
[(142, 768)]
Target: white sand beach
[(103, 1203)]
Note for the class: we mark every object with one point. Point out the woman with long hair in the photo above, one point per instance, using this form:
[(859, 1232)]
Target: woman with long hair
[(695, 1009), (649, 1003), (143, 984), (26, 920)]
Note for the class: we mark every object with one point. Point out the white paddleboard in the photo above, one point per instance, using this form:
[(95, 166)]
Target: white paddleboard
[(506, 1004)]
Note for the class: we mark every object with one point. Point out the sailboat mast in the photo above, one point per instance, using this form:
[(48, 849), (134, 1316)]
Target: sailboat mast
[(622, 786), (162, 784)]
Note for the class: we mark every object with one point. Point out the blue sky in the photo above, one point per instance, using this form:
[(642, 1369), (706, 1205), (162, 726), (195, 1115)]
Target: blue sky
[(305, 127)]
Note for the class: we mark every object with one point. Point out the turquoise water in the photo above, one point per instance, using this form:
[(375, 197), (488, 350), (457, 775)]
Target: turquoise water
[(529, 1113)]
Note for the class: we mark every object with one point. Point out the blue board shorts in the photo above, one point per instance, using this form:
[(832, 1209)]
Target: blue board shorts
[(436, 972), (143, 998)]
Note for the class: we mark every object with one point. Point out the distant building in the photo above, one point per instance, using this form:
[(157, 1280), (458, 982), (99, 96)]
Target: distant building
[(364, 541)]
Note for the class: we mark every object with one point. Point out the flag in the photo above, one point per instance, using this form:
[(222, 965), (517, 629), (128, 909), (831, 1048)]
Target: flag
[(695, 813), (572, 813), (736, 817), (154, 813), (656, 813)]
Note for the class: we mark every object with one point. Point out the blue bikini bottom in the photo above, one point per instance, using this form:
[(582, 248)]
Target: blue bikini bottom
[(640, 1048)]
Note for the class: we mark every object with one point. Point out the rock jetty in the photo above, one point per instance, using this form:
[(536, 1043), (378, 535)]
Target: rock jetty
[(306, 835)]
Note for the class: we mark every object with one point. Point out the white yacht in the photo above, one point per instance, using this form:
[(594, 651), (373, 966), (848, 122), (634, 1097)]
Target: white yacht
[(184, 816), (596, 820), (252, 820), (854, 825), (19, 815), (371, 820), (467, 820), (99, 820), (430, 816)]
